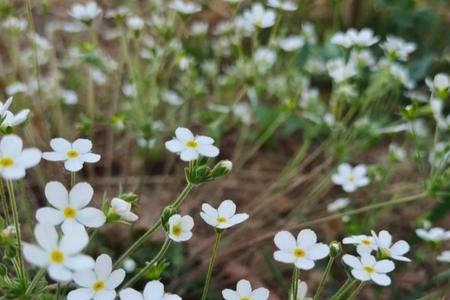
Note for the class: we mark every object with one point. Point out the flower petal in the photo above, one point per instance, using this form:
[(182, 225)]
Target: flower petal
[(175, 146), (29, 158), (85, 278), (103, 266), (73, 165), (318, 251), (115, 279), (81, 294), (49, 215), (304, 264), (91, 217), (384, 266), (188, 155), (11, 145), (130, 294), (154, 290), (244, 288), (60, 145), (352, 261), (184, 134), (73, 241), (306, 238), (59, 273), (381, 279), (285, 241), (57, 194), (46, 236), (227, 209), (90, 157), (208, 150), (80, 195), (105, 295), (260, 294), (82, 145), (79, 262), (35, 255)]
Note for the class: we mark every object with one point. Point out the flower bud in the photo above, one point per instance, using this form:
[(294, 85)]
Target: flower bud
[(165, 216), (222, 168), (335, 249)]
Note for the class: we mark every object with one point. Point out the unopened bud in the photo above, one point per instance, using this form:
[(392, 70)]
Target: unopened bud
[(222, 168), (335, 249)]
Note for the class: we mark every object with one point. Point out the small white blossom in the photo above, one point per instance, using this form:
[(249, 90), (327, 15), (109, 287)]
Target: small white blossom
[(69, 97), (352, 37), (338, 204), (98, 283), (291, 43), (340, 71), (85, 13), (185, 7), (135, 23), (368, 268), (444, 256), (302, 252), (153, 290), (191, 147), (244, 291), (398, 48), (440, 85), (129, 265), (224, 216), (265, 58), (364, 244), (59, 256), (123, 209), (14, 24), (73, 154), (283, 5), (435, 234), (69, 208), (351, 178), (302, 291), (180, 228), (14, 160), (259, 16), (387, 249)]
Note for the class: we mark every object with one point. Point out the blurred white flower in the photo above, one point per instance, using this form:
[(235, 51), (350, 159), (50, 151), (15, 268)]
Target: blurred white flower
[(135, 23), (224, 216), (123, 209), (397, 48), (338, 204), (153, 290), (85, 12), (340, 71), (244, 291), (199, 28), (12, 120), (398, 152), (291, 43), (286, 5), (364, 244), (185, 7), (191, 147), (402, 75), (302, 252), (362, 58), (59, 256), (180, 228), (73, 154), (259, 16), (69, 208), (368, 268), (117, 12), (352, 37), (302, 291), (97, 283), (265, 58), (14, 160), (171, 97), (351, 178), (387, 249), (439, 156), (69, 97), (129, 265), (435, 234), (16, 88), (14, 24), (97, 75), (439, 86), (444, 256)]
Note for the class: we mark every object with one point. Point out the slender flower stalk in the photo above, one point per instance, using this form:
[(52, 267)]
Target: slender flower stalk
[(4, 203), (348, 285), (73, 179), (211, 263), (356, 291), (34, 282), (176, 204), (15, 213), (294, 285), (149, 265), (324, 278)]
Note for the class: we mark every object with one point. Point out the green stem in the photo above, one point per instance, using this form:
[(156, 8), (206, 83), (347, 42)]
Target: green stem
[(324, 278), (58, 291), (356, 291), (294, 285), (35, 280), (211, 264), (4, 203), (73, 179), (15, 213), (155, 227), (149, 265), (344, 289)]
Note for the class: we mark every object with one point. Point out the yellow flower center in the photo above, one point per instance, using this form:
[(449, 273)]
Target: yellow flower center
[(70, 212), (221, 220), (6, 162), (351, 179), (299, 253), (369, 270), (245, 298), (176, 230), (191, 144), (385, 253), (57, 257), (366, 242), (98, 285), (72, 154)]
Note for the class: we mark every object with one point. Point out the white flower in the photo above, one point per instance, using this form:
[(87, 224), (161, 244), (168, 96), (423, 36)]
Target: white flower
[(97, 283), (397, 151), (154, 290), (180, 228), (444, 256), (364, 243), (435, 234), (58, 256), (301, 252), (291, 43), (353, 37), (86, 12), (341, 71), (69, 97), (135, 23), (123, 209), (283, 4), (185, 7), (191, 147), (73, 154), (4, 107), (398, 48), (171, 97), (223, 217), (11, 120), (129, 265), (402, 75), (367, 268), (14, 160), (440, 85), (259, 16), (388, 250), (14, 24), (351, 178), (265, 58), (244, 291), (16, 88), (69, 209), (338, 204), (302, 291)]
